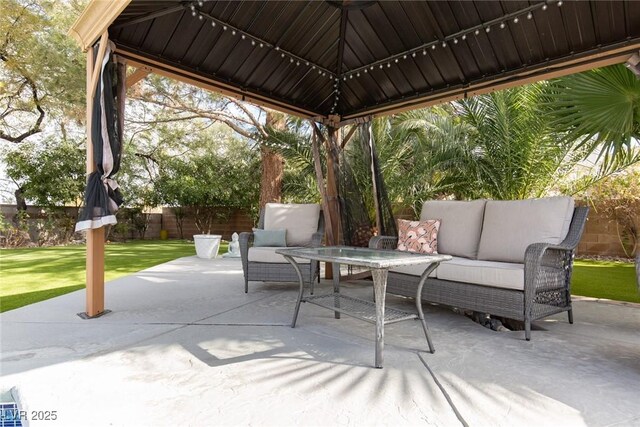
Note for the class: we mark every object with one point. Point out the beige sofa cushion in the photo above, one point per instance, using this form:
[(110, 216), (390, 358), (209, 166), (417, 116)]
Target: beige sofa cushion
[(488, 273), (300, 221), (414, 270), (460, 225), (510, 226), (268, 254)]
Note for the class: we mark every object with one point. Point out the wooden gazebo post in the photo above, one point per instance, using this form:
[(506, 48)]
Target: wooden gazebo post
[(95, 237)]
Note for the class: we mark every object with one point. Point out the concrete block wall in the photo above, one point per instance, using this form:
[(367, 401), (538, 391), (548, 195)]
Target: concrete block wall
[(600, 235), (238, 221)]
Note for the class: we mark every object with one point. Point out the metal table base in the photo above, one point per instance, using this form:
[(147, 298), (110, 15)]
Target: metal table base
[(372, 312)]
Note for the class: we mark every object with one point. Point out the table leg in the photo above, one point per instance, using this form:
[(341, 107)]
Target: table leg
[(336, 287), (379, 289), (300, 292), (423, 278)]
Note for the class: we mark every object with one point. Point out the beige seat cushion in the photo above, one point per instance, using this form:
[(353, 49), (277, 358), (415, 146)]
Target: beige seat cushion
[(268, 254), (510, 226), (300, 221), (413, 270), (460, 225), (488, 273)]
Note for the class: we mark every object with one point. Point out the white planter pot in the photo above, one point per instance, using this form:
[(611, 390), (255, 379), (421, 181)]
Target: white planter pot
[(207, 245)]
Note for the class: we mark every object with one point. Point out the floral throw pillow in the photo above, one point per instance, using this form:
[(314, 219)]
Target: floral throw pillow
[(418, 236)]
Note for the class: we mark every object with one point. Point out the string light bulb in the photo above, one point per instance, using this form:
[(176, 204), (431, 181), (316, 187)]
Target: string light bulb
[(488, 29), (544, 7), (515, 20), (529, 15), (213, 23), (560, 3), (502, 25)]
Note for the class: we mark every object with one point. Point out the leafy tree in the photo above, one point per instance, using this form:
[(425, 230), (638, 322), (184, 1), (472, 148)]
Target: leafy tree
[(49, 175), (42, 70), (168, 101), (208, 182)]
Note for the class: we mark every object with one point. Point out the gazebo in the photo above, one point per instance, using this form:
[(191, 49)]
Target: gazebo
[(340, 63)]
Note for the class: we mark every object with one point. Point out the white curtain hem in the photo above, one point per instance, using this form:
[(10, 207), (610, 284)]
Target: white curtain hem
[(92, 224)]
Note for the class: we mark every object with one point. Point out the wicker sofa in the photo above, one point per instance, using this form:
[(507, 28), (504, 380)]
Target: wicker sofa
[(510, 258), (304, 225)]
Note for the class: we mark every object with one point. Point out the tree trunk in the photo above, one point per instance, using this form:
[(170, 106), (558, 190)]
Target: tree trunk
[(21, 207), (272, 164)]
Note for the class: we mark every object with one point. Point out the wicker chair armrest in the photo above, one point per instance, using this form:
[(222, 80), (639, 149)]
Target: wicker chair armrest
[(536, 254), (542, 258), (383, 242), (245, 239)]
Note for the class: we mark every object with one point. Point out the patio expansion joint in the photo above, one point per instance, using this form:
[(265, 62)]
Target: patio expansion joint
[(443, 391), (239, 306)]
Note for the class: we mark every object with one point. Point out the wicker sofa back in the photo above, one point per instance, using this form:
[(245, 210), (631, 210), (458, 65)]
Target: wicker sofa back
[(527, 278)]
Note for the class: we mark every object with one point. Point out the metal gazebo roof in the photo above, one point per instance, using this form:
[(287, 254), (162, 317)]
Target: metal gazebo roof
[(358, 58)]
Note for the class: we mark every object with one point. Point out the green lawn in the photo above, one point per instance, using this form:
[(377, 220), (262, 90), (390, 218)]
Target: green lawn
[(30, 275), (605, 279)]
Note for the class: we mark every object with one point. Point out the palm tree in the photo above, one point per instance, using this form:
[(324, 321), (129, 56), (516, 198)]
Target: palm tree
[(601, 110)]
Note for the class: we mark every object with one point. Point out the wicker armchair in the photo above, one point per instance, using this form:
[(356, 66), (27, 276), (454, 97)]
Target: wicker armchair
[(280, 271), (547, 282)]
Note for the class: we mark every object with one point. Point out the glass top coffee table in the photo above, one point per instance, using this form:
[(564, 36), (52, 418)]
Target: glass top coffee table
[(379, 261)]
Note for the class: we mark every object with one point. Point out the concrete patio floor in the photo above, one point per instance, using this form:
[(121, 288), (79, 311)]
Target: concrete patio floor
[(185, 345)]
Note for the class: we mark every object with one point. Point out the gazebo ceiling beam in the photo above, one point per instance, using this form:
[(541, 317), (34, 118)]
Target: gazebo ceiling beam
[(148, 16), (164, 69), (139, 74), (344, 18)]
